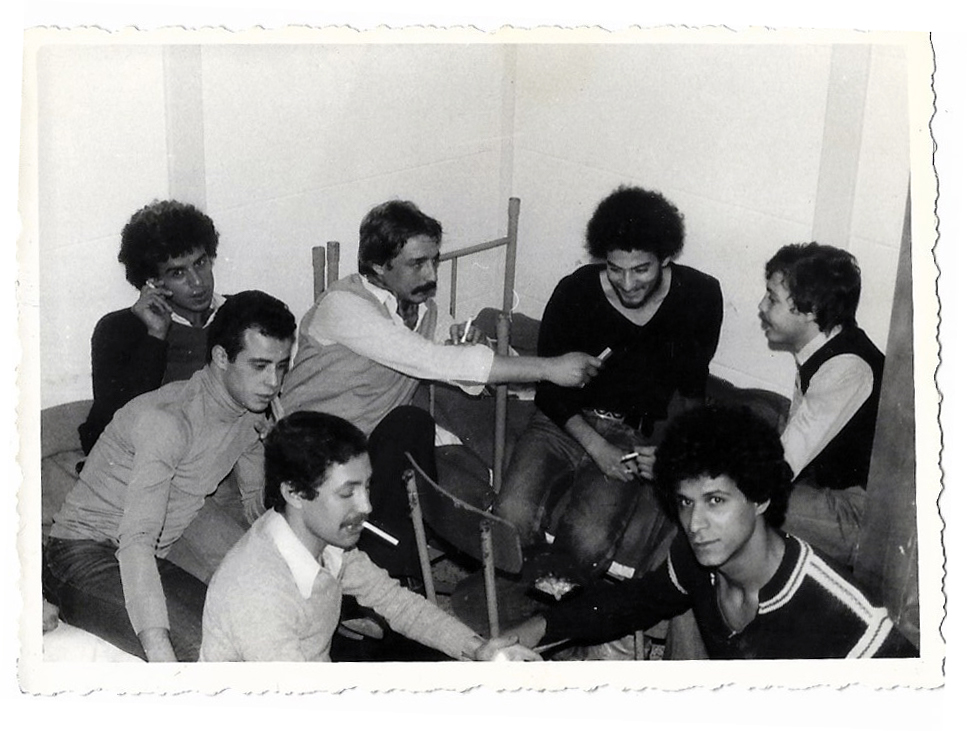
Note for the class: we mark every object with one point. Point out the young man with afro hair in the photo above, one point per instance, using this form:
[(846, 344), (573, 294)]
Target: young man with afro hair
[(587, 454), (755, 591)]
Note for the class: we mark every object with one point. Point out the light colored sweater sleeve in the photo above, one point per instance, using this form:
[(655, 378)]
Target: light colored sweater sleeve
[(361, 327), (159, 441), (407, 613)]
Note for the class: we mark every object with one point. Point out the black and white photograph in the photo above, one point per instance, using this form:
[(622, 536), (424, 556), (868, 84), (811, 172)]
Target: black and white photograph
[(532, 359)]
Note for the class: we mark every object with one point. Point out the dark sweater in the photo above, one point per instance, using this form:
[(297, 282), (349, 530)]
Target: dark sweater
[(844, 462), (669, 353), (808, 609), (126, 362)]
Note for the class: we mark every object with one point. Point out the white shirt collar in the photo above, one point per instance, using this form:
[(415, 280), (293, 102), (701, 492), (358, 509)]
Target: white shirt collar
[(217, 301), (820, 340), (301, 562), (390, 302)]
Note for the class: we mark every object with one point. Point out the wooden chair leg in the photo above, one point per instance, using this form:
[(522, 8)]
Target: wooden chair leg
[(638, 646), (491, 596), (417, 520)]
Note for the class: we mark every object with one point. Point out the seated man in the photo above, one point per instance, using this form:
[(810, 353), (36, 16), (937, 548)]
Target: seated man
[(277, 595), (147, 477), (755, 591), (167, 249), (371, 338), (661, 322), (809, 310)]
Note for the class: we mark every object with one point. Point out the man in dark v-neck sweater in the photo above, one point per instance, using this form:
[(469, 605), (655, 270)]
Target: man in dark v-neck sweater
[(594, 446), (168, 249)]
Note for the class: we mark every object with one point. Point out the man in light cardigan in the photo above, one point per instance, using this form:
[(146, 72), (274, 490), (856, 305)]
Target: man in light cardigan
[(277, 594)]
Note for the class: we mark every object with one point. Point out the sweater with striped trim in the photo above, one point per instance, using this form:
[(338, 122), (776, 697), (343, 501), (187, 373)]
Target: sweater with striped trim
[(808, 609)]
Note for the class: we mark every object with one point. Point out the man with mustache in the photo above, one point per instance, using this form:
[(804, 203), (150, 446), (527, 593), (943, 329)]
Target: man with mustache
[(147, 478), (277, 594), (370, 339), (168, 249), (809, 307), (590, 450), (756, 591)]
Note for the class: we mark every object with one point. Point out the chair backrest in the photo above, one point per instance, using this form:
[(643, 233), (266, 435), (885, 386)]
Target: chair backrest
[(326, 266)]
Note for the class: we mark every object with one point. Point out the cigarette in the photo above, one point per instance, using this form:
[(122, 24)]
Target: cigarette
[(604, 354), (630, 456), (468, 325), (380, 533)]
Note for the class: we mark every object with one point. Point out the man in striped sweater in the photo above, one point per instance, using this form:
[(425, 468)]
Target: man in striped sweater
[(755, 591)]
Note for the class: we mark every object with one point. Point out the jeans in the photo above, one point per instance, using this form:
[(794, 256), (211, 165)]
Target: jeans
[(83, 578), (829, 520), (548, 467)]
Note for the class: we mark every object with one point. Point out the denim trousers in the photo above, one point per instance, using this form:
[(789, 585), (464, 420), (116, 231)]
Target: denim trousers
[(551, 479), (830, 520), (83, 577)]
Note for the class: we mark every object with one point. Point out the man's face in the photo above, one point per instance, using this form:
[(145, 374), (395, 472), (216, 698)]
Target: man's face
[(189, 278), (717, 519), (412, 274), (253, 379), (786, 328), (635, 276), (336, 515)]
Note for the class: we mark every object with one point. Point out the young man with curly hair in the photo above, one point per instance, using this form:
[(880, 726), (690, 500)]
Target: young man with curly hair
[(809, 310), (168, 249), (594, 445), (755, 591)]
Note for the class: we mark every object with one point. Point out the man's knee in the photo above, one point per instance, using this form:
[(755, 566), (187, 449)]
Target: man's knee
[(406, 420)]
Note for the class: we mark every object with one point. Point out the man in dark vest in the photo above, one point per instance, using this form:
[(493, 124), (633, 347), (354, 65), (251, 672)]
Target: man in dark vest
[(809, 310)]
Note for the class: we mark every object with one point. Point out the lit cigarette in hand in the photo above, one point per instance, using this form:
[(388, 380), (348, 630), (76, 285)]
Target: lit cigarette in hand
[(604, 354), (631, 456), (468, 325), (380, 533)]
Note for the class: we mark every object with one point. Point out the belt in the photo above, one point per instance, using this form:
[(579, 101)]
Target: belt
[(636, 421)]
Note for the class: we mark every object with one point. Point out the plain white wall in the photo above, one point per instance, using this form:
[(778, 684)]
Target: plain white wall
[(297, 142), (735, 137)]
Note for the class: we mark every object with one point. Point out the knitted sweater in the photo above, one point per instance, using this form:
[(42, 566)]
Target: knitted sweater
[(271, 600)]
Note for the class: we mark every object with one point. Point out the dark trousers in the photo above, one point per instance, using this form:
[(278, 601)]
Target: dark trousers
[(404, 429), (83, 578)]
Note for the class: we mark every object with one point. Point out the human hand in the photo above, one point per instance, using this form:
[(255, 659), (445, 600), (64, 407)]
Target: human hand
[(505, 648), (610, 460), (574, 369), (466, 333), (154, 310), (646, 456)]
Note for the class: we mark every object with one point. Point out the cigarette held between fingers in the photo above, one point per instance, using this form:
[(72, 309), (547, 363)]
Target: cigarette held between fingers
[(629, 457), (380, 533), (468, 325), (604, 354)]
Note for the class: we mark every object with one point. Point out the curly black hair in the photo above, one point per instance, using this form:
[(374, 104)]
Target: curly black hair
[(300, 450), (713, 441), (822, 280), (160, 231), (632, 219)]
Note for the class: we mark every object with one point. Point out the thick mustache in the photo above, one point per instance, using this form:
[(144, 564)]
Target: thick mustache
[(426, 288)]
